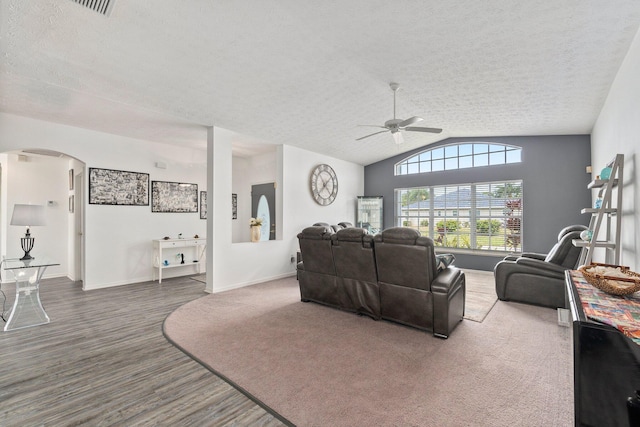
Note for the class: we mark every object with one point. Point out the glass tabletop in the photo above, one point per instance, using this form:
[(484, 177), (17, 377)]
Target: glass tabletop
[(39, 261)]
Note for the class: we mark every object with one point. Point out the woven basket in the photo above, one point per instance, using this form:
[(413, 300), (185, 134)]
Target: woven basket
[(611, 284)]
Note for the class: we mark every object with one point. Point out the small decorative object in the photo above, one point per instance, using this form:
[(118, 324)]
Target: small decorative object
[(605, 173), (612, 279), (195, 236), (181, 258), (256, 228), (586, 235), (180, 236), (166, 262), (166, 237), (598, 203)]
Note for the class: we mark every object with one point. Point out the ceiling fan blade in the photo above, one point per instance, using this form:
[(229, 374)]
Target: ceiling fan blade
[(373, 126), (419, 129), (410, 121), (367, 136)]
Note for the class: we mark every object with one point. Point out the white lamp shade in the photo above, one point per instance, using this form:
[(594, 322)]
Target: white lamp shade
[(397, 137), (28, 215)]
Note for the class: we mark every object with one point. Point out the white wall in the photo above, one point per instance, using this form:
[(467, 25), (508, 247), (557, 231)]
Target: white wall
[(617, 130), (118, 248), (239, 264)]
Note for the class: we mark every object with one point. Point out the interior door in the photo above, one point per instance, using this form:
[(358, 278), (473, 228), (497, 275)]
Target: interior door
[(263, 205)]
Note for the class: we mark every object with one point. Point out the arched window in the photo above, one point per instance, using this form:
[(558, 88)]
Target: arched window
[(459, 156)]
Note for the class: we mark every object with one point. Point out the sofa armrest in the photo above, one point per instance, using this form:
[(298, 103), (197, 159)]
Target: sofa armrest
[(447, 281), (544, 268)]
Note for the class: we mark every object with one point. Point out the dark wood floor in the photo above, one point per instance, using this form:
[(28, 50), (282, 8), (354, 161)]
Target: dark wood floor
[(103, 361)]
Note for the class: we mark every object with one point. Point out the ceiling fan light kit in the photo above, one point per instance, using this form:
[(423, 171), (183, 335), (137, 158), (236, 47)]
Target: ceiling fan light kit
[(395, 126)]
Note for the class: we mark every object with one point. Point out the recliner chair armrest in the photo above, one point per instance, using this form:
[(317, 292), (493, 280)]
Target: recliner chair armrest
[(533, 255), (447, 281), (545, 268)]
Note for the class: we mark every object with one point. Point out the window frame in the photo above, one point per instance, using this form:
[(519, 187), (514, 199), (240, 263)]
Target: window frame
[(451, 157), (466, 210)]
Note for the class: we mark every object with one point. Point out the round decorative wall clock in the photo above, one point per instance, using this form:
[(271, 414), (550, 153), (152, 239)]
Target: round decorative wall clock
[(324, 184)]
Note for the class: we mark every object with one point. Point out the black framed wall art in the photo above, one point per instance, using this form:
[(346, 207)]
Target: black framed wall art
[(203, 205), (116, 187), (176, 197)]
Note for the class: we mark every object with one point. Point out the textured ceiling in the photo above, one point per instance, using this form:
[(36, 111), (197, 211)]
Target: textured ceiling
[(306, 73)]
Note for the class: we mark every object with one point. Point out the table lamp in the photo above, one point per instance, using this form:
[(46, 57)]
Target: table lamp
[(27, 215)]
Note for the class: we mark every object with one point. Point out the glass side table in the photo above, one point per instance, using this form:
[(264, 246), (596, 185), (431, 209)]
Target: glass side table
[(27, 309)]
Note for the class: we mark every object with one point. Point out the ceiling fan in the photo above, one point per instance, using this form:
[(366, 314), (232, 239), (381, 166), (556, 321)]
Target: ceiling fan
[(396, 125)]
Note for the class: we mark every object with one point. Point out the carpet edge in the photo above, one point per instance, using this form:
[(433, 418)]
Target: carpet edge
[(222, 376)]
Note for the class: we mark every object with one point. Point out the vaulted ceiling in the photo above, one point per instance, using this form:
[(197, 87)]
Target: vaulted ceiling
[(307, 73)]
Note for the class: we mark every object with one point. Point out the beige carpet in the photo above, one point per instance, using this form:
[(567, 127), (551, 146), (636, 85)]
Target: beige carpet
[(480, 296), (318, 366)]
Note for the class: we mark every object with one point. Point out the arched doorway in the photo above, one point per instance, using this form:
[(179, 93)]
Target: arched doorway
[(56, 181)]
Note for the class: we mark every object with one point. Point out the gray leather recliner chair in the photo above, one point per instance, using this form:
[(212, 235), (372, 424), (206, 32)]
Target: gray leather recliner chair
[(316, 271), (354, 258), (538, 279), (412, 291)]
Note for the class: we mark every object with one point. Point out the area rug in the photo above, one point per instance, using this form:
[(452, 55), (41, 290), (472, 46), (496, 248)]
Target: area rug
[(480, 296), (318, 366)]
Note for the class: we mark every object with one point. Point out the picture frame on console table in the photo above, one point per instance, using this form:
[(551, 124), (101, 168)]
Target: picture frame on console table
[(203, 205), (174, 197)]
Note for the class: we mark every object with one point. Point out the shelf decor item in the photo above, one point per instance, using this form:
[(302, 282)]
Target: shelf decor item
[(605, 173), (586, 235), (256, 229), (612, 279)]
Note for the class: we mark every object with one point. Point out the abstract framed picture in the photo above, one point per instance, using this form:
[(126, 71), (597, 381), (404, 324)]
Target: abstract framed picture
[(203, 205), (234, 206), (70, 179), (174, 197), (116, 187)]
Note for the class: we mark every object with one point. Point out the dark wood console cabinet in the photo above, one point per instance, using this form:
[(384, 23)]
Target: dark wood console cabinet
[(606, 366)]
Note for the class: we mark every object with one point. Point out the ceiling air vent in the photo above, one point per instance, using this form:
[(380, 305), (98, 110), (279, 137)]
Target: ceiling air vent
[(103, 7)]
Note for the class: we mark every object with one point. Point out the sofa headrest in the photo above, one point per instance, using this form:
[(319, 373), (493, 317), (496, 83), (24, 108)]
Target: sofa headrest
[(345, 224), (398, 235), (569, 229), (358, 235), (316, 232), (320, 223)]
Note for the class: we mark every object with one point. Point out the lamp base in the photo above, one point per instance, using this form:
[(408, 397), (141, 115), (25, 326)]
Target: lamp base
[(27, 244)]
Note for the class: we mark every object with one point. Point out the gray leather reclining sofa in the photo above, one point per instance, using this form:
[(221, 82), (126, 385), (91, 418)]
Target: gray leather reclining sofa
[(391, 276)]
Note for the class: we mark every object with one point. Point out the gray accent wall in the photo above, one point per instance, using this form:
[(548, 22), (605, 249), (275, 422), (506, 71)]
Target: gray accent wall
[(554, 186)]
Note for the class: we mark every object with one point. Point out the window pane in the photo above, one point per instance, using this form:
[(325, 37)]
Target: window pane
[(437, 153), (450, 164), (494, 148), (413, 168), (496, 158), (425, 156), (465, 149), (480, 148), (437, 165), (451, 151), (514, 156), (425, 167), (480, 160), (403, 169), (465, 162)]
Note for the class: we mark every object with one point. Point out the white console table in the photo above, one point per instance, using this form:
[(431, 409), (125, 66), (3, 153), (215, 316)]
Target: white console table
[(170, 253)]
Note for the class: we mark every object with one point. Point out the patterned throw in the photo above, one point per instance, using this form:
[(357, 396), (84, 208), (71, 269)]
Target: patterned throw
[(621, 312)]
